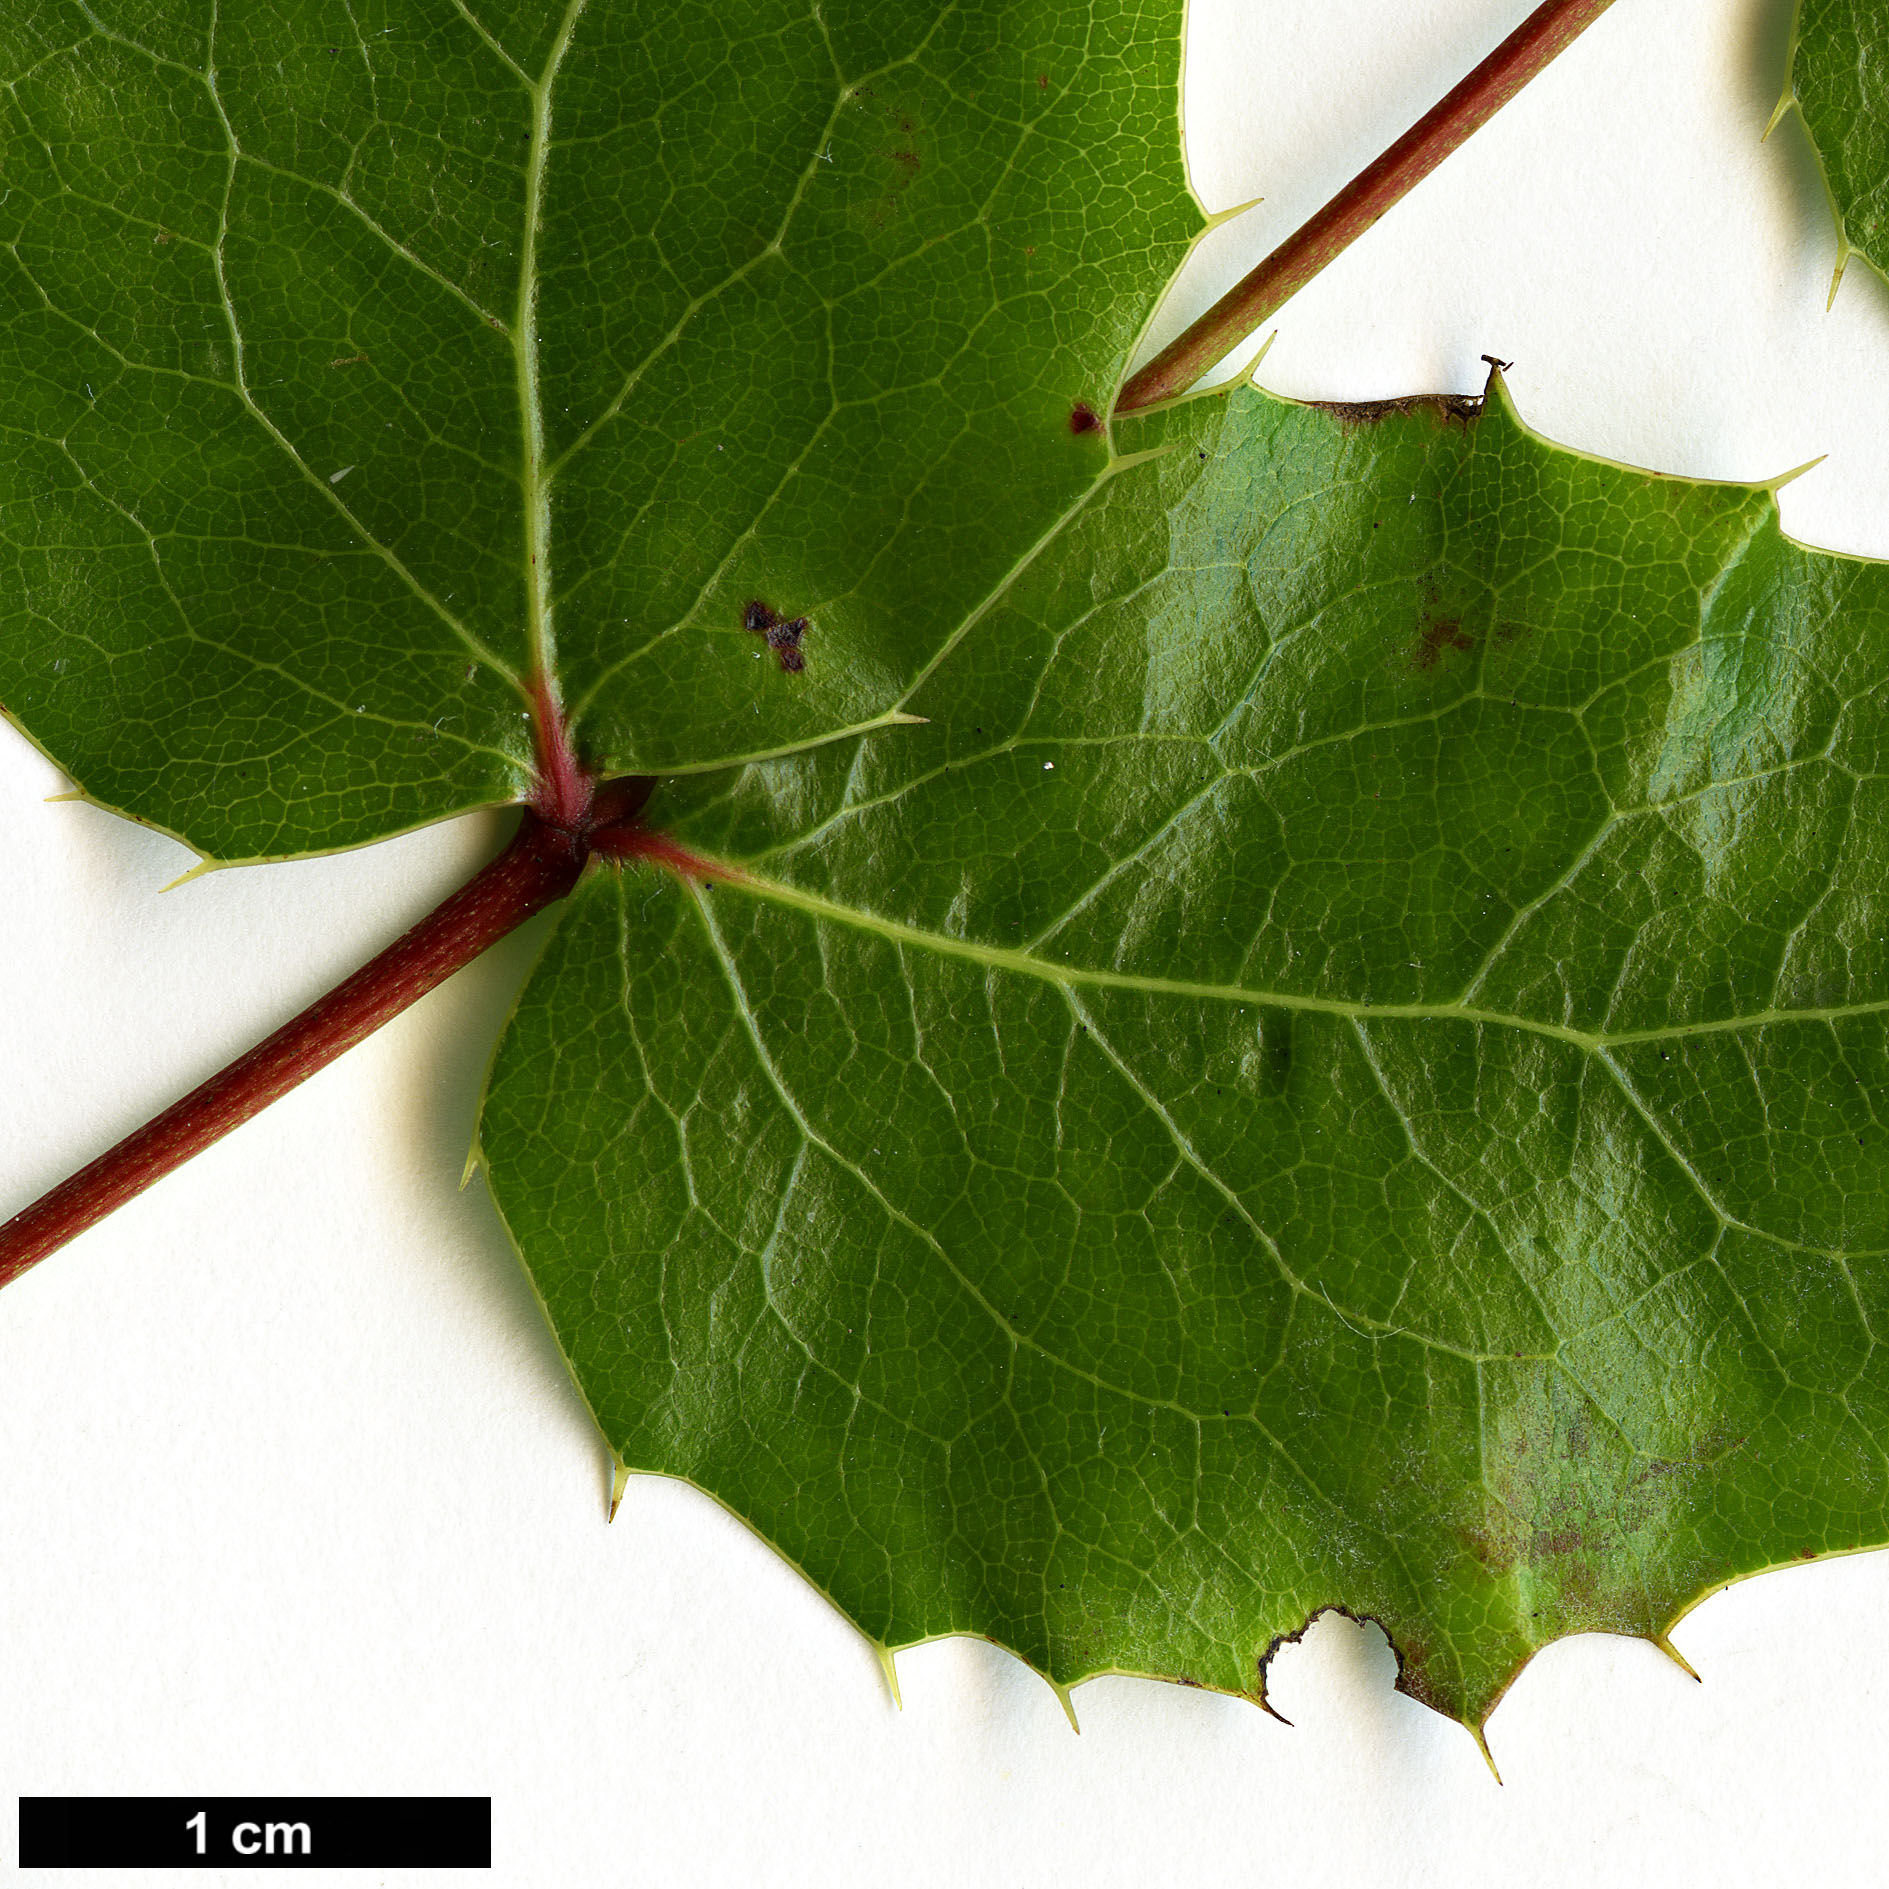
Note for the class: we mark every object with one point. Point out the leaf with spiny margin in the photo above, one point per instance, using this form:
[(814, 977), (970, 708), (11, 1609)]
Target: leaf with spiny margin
[(1345, 1066), (321, 320), (1839, 82)]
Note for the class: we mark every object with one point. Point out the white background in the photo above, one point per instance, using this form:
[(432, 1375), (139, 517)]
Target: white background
[(296, 1496)]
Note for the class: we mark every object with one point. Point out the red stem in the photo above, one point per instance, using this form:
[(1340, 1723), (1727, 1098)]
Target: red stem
[(1549, 30), (538, 868), (563, 788)]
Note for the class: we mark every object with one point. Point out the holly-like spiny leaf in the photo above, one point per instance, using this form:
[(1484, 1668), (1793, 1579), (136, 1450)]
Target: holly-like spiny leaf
[(366, 362), (1346, 1066), (1839, 81), (1329, 1073)]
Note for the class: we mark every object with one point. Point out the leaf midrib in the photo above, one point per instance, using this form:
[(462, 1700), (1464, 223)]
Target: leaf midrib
[(534, 480), (1026, 964)]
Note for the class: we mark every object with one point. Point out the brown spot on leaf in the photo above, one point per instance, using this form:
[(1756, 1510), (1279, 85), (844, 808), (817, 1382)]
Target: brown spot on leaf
[(1083, 418), (783, 634), (906, 155), (1497, 1553), (901, 155), (349, 360), (1445, 409), (1413, 1681), (1437, 635)]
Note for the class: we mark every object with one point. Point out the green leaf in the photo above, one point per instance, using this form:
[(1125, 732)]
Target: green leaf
[(366, 360), (1345, 1067), (1341, 1066), (1840, 83)]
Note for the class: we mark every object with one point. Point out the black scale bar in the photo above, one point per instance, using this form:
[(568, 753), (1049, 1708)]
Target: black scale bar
[(255, 1833)]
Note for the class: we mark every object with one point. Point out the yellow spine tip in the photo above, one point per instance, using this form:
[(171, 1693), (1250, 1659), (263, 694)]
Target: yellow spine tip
[(1796, 472), (1219, 217), (184, 878), (1836, 278), (1678, 1658), (889, 1666)]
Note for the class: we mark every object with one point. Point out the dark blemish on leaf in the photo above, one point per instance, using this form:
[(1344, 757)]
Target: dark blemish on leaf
[(1437, 635), (1567, 1539), (784, 641), (1413, 1657), (1445, 409), (1497, 1554), (1042, 81), (906, 156), (907, 164), (783, 633), (1083, 418), (349, 360)]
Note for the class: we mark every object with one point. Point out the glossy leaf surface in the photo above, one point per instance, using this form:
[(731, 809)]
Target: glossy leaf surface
[(1341, 1065), (1345, 1066), (363, 361), (1840, 82)]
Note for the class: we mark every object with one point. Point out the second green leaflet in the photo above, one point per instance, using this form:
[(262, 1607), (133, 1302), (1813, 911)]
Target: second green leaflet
[(1345, 1065)]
